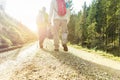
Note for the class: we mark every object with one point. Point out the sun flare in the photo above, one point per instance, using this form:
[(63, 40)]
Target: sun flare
[(26, 11)]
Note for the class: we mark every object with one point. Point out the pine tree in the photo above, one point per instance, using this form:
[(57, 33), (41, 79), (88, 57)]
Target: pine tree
[(101, 19), (83, 24)]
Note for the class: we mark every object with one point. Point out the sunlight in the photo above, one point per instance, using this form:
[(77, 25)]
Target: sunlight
[(26, 11)]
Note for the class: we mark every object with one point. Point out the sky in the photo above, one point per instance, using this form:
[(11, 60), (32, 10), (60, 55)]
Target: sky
[(26, 11)]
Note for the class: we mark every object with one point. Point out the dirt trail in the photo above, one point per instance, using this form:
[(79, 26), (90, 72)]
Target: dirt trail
[(95, 58), (46, 64), (12, 62)]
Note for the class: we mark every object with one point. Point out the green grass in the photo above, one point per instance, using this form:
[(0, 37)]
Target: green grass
[(101, 53)]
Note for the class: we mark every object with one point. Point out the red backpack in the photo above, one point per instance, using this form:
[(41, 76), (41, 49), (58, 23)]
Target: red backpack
[(61, 7)]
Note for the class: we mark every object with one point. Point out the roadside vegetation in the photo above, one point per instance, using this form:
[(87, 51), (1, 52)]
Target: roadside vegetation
[(12, 32), (98, 52), (97, 26)]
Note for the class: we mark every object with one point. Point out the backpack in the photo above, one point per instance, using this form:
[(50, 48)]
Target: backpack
[(61, 7)]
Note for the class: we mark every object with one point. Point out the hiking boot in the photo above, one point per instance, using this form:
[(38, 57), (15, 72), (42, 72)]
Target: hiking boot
[(56, 49), (65, 47), (41, 46)]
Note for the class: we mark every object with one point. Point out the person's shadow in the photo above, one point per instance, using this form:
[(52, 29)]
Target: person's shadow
[(84, 67)]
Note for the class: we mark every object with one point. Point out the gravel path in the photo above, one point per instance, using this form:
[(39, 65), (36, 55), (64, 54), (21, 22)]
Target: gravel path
[(95, 58), (16, 59), (50, 65), (47, 67)]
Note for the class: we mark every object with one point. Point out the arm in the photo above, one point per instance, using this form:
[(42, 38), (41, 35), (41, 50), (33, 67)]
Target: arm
[(51, 11)]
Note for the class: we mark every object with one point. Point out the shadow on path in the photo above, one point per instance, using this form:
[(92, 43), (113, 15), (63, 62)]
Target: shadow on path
[(84, 67)]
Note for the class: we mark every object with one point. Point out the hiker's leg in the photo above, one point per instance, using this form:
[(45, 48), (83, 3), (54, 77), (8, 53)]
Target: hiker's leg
[(56, 33), (39, 34), (41, 40), (64, 34), (42, 36), (64, 31)]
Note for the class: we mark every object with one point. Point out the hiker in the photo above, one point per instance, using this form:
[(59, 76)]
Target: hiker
[(42, 23), (59, 17)]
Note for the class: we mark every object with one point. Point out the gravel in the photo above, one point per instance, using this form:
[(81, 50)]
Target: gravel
[(46, 64), (50, 65)]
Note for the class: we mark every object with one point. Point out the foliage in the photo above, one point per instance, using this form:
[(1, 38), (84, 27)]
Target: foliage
[(97, 26), (71, 28), (12, 32)]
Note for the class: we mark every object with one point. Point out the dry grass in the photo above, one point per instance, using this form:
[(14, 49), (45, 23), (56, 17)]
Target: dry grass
[(101, 53)]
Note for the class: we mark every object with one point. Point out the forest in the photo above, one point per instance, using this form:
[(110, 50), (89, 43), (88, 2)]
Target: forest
[(97, 26)]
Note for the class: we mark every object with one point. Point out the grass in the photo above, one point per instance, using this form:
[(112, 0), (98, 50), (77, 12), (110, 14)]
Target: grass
[(13, 32), (5, 40), (101, 53)]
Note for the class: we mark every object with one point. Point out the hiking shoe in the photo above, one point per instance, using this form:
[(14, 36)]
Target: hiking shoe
[(56, 49), (65, 47), (41, 46)]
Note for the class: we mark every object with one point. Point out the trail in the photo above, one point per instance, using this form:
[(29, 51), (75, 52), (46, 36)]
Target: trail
[(32, 63)]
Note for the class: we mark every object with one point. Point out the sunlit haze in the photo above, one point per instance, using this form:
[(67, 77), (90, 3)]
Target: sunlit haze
[(26, 11)]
